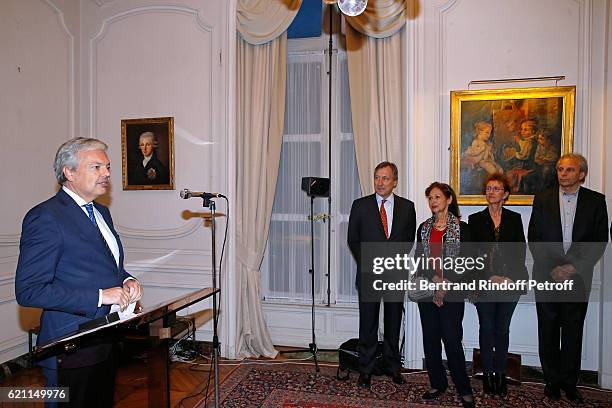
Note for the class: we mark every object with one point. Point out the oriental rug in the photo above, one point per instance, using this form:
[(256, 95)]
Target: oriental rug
[(280, 385)]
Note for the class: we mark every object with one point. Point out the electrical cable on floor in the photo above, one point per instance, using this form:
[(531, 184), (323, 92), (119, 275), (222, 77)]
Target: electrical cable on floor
[(199, 392)]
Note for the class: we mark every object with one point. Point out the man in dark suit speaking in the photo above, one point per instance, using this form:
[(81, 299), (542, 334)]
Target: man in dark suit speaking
[(71, 265), (568, 230), (380, 217)]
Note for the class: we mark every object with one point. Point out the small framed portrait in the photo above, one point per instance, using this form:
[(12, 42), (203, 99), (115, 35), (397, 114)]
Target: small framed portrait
[(519, 132), (148, 153)]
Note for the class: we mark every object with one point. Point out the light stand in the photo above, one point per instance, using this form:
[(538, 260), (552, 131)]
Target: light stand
[(329, 146), (208, 202), (312, 347)]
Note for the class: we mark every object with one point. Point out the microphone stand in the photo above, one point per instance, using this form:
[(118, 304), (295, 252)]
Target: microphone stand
[(207, 202)]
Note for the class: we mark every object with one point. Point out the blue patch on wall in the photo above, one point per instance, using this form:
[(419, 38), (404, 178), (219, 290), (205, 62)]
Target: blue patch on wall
[(307, 22)]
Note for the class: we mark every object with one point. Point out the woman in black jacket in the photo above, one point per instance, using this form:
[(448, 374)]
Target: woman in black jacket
[(502, 241), (441, 237)]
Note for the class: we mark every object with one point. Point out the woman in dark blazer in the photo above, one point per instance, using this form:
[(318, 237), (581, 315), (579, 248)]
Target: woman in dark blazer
[(441, 236), (502, 241)]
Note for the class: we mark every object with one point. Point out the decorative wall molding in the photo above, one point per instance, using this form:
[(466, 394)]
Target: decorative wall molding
[(332, 326), (71, 80), (156, 234), (7, 278), (9, 239), (102, 3), (12, 343), (171, 269), (8, 259), (172, 285), (106, 24)]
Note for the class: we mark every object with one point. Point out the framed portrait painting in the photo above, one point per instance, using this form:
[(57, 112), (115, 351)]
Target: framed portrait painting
[(518, 132), (147, 153)]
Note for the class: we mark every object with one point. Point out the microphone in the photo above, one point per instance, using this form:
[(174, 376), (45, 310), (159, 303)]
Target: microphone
[(189, 194)]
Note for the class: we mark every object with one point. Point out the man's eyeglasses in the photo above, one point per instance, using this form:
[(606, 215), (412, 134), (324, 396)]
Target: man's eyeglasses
[(494, 189)]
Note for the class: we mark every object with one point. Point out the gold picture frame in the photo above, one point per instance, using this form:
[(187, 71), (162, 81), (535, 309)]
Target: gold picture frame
[(518, 131), (147, 153)]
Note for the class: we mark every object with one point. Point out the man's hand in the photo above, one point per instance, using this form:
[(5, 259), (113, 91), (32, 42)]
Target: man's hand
[(562, 273), (500, 279), (438, 297), (134, 289), (116, 296)]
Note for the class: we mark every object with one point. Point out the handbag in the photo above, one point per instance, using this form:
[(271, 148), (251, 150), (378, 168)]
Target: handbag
[(415, 293)]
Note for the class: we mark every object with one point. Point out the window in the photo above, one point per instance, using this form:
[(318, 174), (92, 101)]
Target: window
[(305, 152)]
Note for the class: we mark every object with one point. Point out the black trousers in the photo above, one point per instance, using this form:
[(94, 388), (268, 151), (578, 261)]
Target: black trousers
[(368, 335), (91, 386), (444, 325), (560, 326), (494, 334)]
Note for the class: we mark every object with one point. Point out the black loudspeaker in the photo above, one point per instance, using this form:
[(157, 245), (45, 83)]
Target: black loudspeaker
[(315, 186)]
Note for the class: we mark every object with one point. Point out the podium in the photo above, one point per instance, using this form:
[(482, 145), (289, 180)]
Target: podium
[(158, 319)]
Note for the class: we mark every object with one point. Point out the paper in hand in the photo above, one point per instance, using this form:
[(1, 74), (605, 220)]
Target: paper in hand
[(127, 313)]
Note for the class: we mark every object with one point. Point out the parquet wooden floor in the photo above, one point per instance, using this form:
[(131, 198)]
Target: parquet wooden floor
[(187, 383)]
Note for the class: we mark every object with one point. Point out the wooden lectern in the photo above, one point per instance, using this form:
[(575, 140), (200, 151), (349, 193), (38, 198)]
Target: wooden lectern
[(159, 320)]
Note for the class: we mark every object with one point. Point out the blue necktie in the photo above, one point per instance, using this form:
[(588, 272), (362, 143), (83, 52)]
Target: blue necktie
[(89, 208), (90, 212)]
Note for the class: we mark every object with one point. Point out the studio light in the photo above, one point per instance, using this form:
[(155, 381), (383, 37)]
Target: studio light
[(349, 7)]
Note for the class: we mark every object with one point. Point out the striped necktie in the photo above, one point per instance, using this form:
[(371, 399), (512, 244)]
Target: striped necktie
[(383, 218), (90, 212)]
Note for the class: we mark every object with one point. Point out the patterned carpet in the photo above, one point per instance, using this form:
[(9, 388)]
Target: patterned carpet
[(297, 386)]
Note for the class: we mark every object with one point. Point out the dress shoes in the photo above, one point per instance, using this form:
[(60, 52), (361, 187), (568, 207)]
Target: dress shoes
[(552, 391), (432, 394), (364, 380), (572, 394), (501, 384), (468, 403), (397, 377), (488, 384)]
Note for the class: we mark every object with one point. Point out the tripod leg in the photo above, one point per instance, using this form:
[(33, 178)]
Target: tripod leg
[(313, 350)]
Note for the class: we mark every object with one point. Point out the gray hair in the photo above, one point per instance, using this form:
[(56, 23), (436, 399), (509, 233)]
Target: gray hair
[(148, 135), (68, 154), (582, 162)]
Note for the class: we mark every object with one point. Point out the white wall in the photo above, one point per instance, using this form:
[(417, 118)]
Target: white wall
[(37, 110), (150, 59), (76, 68)]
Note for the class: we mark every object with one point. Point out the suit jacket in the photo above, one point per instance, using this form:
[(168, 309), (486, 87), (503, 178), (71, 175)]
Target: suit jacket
[(365, 225), (63, 262), (140, 173), (590, 226)]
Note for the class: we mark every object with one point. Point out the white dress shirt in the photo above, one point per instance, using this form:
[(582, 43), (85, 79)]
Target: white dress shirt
[(110, 239), (567, 207)]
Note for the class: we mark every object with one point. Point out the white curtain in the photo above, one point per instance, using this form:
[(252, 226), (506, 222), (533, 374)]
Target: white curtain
[(305, 153), (261, 71), (375, 44)]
